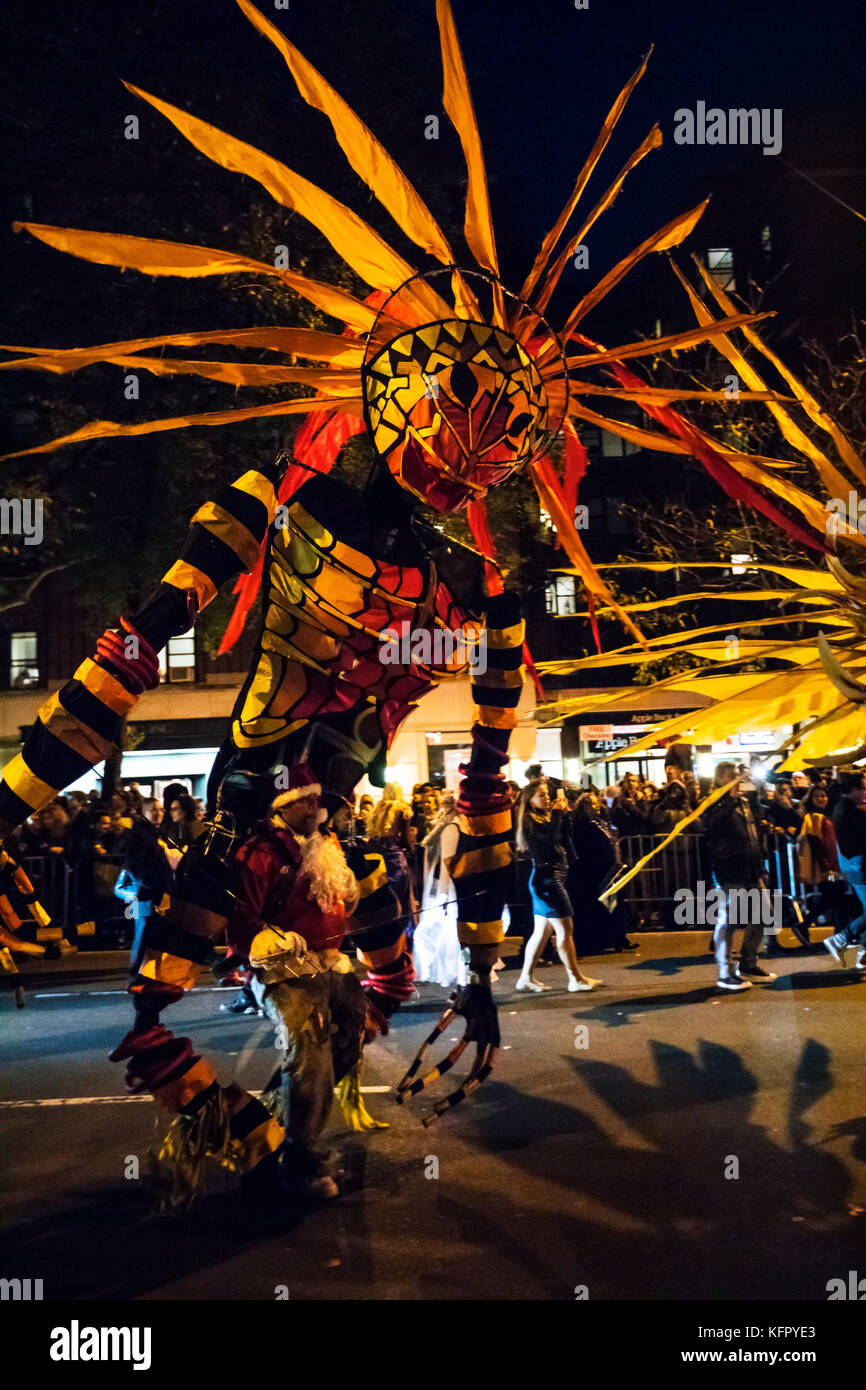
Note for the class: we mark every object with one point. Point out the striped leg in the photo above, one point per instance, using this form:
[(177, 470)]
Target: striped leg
[(481, 862)]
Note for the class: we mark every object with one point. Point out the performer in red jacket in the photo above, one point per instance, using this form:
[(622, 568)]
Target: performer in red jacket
[(294, 894)]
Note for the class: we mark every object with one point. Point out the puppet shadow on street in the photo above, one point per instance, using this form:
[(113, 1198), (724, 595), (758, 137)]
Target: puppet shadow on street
[(699, 1201)]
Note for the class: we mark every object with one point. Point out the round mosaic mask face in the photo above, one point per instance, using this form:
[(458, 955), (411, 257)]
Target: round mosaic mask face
[(453, 408)]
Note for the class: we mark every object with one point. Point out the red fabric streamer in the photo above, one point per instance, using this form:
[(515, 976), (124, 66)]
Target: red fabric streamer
[(476, 515), (718, 467), (576, 464), (593, 621)]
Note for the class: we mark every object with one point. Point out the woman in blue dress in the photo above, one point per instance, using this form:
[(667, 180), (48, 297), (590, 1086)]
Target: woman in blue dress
[(542, 834)]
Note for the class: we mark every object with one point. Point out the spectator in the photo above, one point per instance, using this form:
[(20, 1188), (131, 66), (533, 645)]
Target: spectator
[(819, 863), (784, 817), (593, 861), (436, 948), (144, 881), (186, 828), (849, 821), (541, 832), (628, 813), (390, 834), (736, 856), (668, 808), (53, 830)]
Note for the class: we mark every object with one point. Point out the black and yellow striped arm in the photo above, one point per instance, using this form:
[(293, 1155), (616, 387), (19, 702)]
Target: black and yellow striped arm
[(79, 725), (480, 865)]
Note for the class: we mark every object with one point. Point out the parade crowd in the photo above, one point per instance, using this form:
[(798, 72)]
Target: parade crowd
[(570, 843)]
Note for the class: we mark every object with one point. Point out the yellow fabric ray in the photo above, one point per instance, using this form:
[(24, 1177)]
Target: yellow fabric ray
[(797, 574), (653, 141), (626, 877), (646, 439), (457, 100), (806, 399), (763, 702), (155, 257), (842, 732), (334, 380), (654, 347), (665, 239), (354, 241), (105, 429), (737, 596), (829, 474), (607, 129), (299, 342), (716, 652), (669, 645)]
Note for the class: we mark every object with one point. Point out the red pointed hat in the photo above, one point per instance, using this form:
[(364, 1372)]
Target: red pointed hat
[(302, 782)]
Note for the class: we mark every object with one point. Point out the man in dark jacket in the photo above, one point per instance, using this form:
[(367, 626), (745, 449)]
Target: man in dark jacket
[(734, 846), (849, 821)]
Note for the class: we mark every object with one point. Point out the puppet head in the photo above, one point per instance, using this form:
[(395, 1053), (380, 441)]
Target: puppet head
[(456, 405)]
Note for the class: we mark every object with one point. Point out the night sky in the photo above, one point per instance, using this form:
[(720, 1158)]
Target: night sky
[(543, 75)]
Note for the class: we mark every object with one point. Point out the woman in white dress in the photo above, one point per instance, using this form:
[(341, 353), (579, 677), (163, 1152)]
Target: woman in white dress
[(435, 948)]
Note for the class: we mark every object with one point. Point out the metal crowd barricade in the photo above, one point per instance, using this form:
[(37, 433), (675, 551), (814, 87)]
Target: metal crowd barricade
[(98, 913), (78, 895), (684, 864), (51, 876), (652, 891)]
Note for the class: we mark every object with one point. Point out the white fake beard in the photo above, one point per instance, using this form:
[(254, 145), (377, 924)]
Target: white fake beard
[(323, 864)]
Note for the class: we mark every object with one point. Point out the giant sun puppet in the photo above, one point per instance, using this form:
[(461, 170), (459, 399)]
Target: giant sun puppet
[(460, 383)]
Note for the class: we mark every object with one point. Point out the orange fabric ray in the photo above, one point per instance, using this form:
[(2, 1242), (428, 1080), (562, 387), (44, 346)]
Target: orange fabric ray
[(334, 380), (105, 429), (653, 347), (299, 342), (804, 444), (354, 241), (595, 154), (663, 393), (155, 257), (667, 237), (653, 141), (366, 155), (457, 100)]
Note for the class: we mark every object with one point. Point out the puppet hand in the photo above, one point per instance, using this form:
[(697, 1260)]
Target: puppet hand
[(476, 1004)]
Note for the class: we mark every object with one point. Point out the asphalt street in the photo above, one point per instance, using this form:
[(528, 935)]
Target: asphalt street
[(651, 1140)]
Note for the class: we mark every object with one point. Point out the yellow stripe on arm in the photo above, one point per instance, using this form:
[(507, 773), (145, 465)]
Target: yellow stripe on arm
[(233, 533), (187, 577)]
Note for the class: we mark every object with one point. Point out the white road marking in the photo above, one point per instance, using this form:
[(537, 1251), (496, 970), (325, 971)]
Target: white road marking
[(78, 993), (127, 1100)]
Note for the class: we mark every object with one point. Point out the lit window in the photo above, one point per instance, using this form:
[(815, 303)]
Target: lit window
[(720, 264), (614, 447), (561, 597), (740, 564), (23, 662), (177, 660)]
